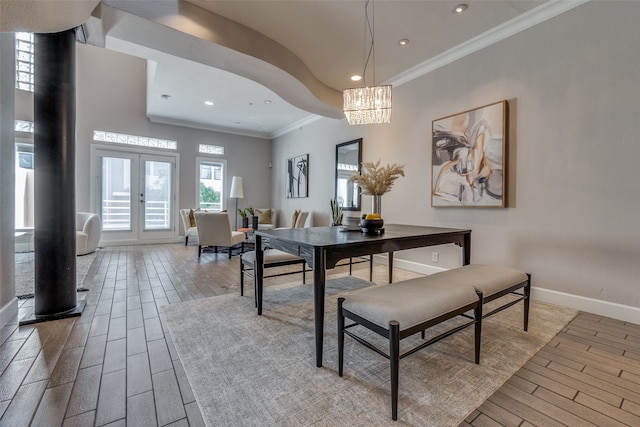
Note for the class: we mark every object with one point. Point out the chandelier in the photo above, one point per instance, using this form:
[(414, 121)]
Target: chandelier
[(368, 104)]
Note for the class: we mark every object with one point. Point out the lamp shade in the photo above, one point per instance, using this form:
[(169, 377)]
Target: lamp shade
[(236, 188)]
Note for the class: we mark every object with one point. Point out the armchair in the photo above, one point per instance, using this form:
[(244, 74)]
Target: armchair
[(190, 228), (88, 232), (214, 229)]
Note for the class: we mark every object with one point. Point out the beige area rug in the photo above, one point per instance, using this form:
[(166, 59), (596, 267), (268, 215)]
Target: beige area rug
[(25, 272), (249, 370)]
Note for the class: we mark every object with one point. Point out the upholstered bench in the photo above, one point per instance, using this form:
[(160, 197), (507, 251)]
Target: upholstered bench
[(399, 310), (494, 282), (272, 258), (417, 304)]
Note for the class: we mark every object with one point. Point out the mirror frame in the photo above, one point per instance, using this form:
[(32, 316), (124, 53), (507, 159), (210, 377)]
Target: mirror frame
[(359, 198)]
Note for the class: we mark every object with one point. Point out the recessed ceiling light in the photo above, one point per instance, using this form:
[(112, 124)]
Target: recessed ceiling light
[(460, 8), (403, 42), (209, 103), (267, 101), (165, 96), (356, 78)]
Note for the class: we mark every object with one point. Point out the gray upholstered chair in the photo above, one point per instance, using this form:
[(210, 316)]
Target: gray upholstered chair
[(214, 229), (88, 232)]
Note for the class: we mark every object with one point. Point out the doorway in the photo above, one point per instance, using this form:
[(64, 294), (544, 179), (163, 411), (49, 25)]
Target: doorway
[(135, 195)]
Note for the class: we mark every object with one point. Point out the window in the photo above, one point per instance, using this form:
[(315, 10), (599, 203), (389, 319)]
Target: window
[(24, 61), (24, 194), (210, 149), (141, 141), (23, 126), (211, 184)]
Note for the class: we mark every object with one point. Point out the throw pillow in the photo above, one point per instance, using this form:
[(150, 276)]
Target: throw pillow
[(264, 217), (192, 218), (294, 219)]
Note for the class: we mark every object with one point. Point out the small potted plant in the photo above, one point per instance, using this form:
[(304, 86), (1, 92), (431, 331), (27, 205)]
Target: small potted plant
[(254, 218), (336, 213), (245, 220)]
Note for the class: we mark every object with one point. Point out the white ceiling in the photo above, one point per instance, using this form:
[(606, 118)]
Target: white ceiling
[(303, 51)]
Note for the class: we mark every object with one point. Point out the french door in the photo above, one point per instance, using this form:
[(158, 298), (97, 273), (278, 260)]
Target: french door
[(136, 195)]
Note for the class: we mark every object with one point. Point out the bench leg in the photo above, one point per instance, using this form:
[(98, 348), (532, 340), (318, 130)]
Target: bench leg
[(186, 240), (527, 299), (199, 250), (304, 273), (478, 327), (340, 336), (394, 359), (241, 277)]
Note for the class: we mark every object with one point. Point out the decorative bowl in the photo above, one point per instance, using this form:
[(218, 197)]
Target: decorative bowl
[(371, 225)]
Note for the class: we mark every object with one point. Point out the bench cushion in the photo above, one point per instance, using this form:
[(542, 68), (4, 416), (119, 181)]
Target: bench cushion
[(488, 279), (410, 302), (270, 256)]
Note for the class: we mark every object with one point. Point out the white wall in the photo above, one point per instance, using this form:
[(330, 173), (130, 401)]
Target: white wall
[(574, 215)]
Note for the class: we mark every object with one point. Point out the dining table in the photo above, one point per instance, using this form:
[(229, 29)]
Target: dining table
[(323, 247)]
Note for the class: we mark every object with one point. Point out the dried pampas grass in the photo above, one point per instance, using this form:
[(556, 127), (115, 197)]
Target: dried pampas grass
[(376, 180)]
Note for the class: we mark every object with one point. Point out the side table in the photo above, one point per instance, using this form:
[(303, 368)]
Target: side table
[(249, 236)]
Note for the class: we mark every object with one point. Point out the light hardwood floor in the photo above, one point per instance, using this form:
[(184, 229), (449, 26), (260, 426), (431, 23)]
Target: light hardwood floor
[(116, 365)]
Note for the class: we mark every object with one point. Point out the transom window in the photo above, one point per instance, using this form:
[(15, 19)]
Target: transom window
[(24, 61), (210, 149), (142, 141)]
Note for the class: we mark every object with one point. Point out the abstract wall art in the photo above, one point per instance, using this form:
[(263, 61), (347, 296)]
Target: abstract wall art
[(469, 158), (297, 176)]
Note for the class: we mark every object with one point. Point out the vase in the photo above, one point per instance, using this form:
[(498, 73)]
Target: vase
[(245, 222), (254, 222), (376, 204)]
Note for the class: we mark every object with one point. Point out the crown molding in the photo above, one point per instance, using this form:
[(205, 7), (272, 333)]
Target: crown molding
[(297, 125), (514, 26)]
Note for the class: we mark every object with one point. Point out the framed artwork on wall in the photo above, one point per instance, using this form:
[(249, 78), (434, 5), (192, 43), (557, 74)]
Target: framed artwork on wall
[(298, 176), (469, 158)]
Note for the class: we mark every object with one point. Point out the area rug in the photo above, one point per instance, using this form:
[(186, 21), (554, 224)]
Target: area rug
[(248, 370), (25, 272)]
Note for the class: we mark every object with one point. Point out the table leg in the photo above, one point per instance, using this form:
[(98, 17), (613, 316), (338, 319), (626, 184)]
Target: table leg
[(319, 278), (258, 270), (390, 267), (466, 247)]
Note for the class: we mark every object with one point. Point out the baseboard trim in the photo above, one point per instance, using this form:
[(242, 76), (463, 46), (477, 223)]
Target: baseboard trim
[(613, 310), (9, 312), (408, 265)]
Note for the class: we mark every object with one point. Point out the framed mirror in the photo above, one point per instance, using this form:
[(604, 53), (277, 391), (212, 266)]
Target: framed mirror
[(348, 163)]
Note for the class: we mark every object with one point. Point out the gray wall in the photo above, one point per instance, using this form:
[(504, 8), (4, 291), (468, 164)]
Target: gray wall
[(111, 96), (574, 216)]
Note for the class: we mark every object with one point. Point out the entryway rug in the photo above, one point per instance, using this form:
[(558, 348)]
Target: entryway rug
[(249, 370), (25, 272)]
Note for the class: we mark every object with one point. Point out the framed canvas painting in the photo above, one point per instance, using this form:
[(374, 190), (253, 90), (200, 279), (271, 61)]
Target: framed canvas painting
[(469, 158), (297, 176)]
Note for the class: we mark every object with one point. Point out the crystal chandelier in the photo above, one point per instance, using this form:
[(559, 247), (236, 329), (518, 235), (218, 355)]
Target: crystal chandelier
[(368, 104)]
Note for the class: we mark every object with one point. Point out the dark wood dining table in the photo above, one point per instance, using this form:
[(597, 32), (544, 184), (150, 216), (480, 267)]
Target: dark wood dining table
[(323, 247)]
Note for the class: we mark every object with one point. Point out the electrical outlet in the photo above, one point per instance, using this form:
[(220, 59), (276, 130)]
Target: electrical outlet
[(435, 256)]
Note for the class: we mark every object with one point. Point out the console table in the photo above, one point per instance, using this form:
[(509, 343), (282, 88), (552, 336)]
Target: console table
[(323, 247)]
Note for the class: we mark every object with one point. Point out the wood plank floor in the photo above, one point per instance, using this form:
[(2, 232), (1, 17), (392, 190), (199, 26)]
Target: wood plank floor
[(115, 365)]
